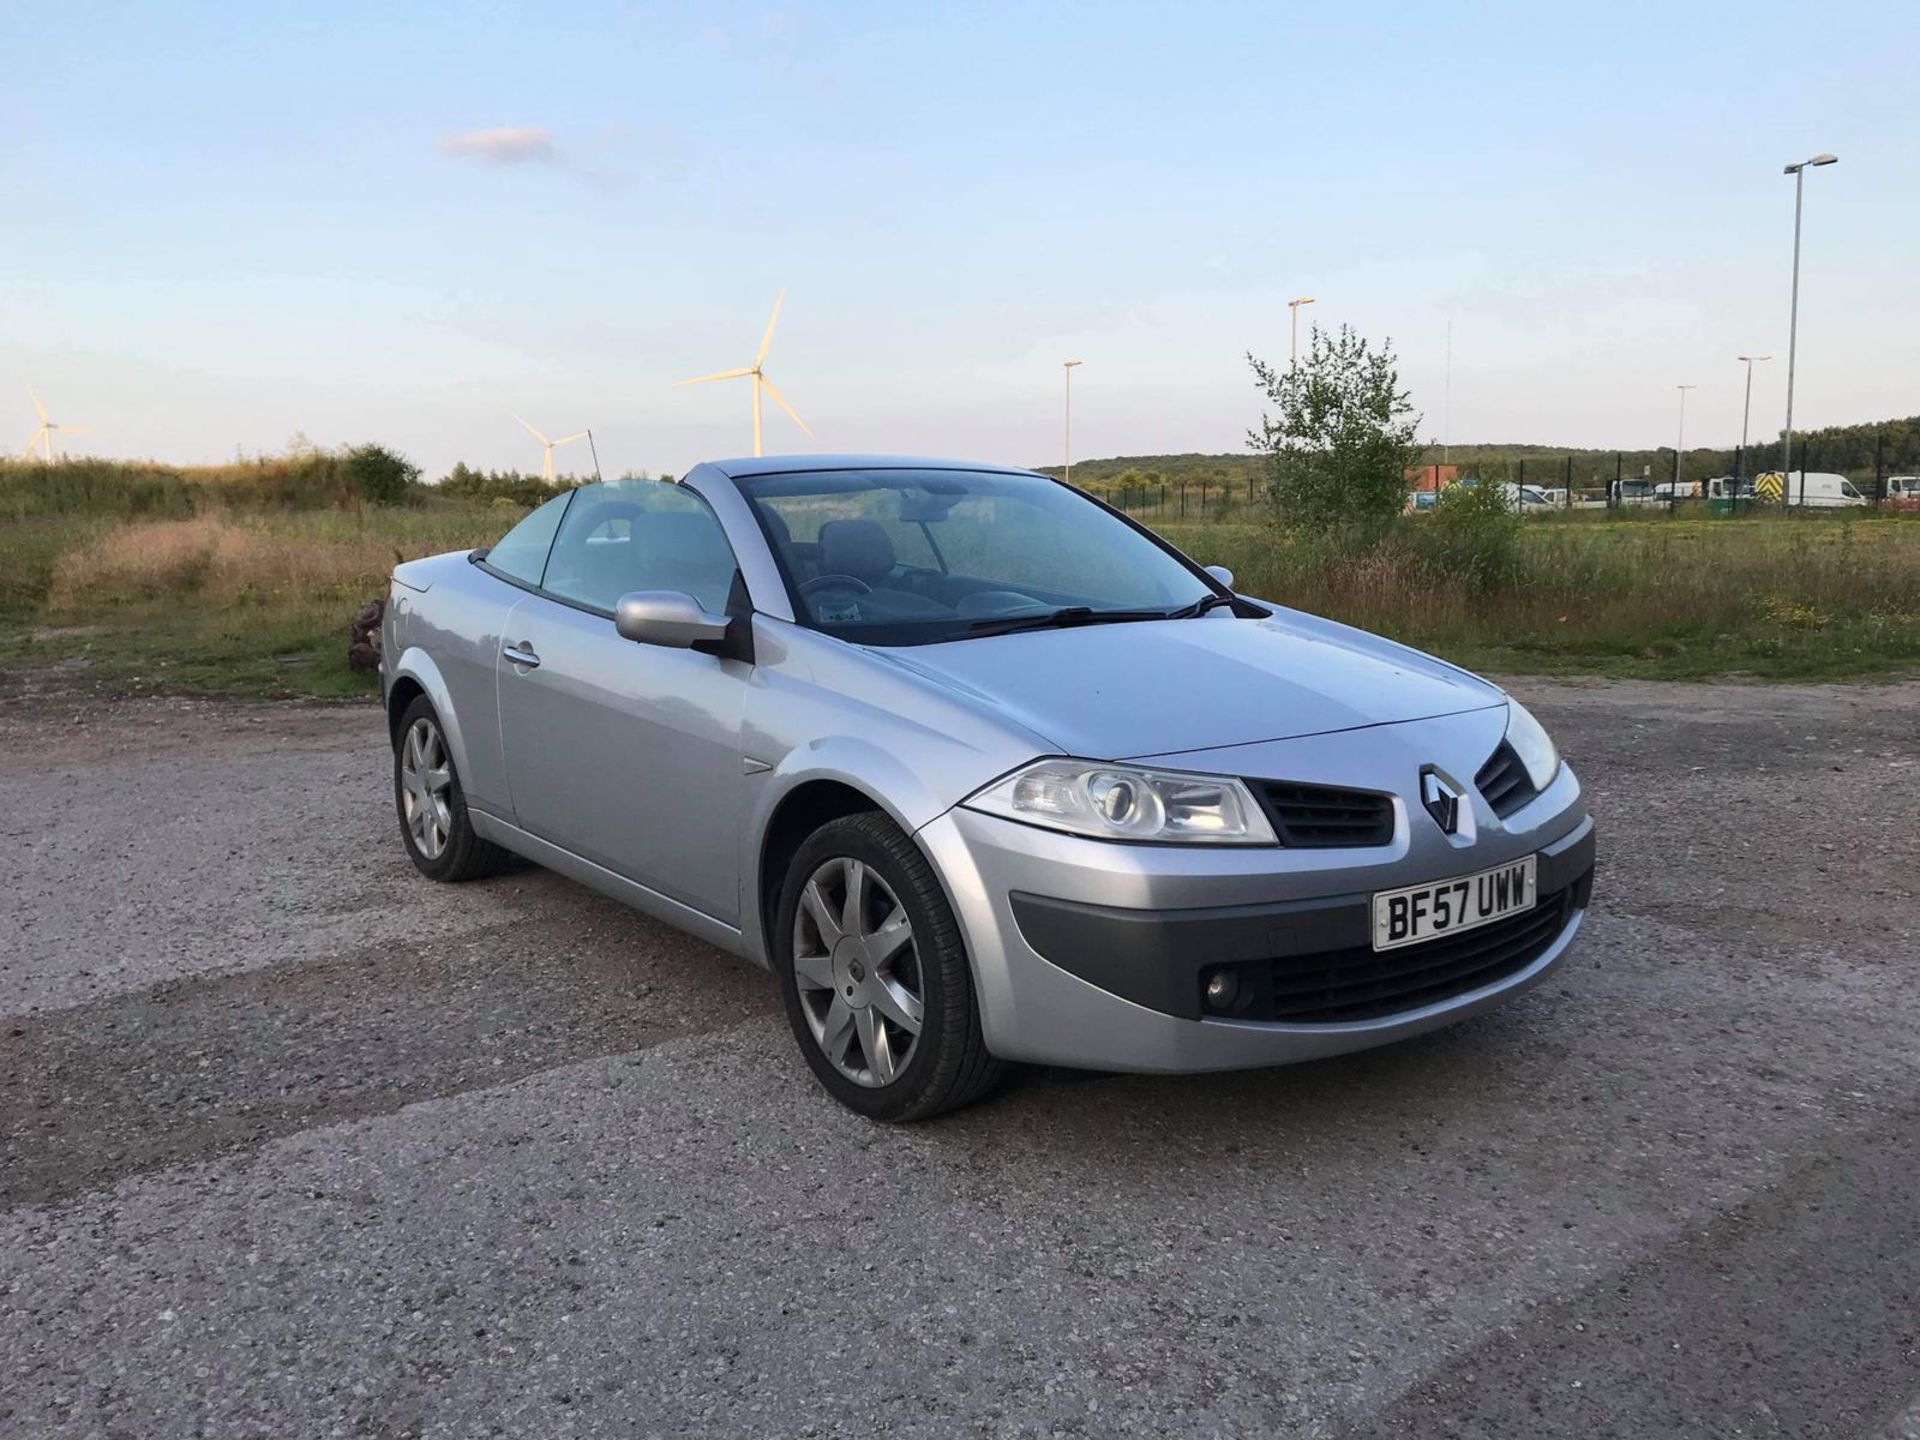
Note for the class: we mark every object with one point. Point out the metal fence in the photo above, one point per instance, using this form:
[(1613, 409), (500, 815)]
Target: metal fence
[(1171, 501), (1740, 481), (1729, 482)]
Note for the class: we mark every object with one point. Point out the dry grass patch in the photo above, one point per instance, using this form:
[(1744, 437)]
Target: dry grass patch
[(249, 559)]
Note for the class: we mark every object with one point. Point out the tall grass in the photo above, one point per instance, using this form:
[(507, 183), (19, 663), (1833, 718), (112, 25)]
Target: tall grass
[(304, 556), (1769, 596), (304, 479), (246, 602)]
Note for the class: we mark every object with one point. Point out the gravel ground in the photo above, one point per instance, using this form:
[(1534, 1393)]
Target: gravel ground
[(293, 1143)]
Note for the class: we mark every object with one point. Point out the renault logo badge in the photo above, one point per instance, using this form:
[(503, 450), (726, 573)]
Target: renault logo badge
[(1442, 801)]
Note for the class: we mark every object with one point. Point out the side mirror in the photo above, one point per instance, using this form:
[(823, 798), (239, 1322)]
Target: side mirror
[(668, 617), (1222, 574)]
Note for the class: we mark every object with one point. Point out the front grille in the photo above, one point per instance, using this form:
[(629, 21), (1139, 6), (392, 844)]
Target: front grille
[(1318, 817), (1362, 983), (1504, 781)]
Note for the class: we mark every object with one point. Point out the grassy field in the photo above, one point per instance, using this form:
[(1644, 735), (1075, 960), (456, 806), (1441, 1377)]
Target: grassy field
[(1787, 598), (234, 602), (238, 581)]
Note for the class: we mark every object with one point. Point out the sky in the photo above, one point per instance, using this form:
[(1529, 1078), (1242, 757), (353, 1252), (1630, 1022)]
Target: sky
[(225, 225)]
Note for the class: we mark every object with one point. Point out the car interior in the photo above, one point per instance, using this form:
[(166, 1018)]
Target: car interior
[(616, 546), (852, 572), (887, 567)]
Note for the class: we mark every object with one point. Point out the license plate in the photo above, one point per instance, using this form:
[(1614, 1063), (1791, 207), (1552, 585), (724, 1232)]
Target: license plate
[(1446, 907)]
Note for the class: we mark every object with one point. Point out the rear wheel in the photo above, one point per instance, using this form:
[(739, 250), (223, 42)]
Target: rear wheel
[(434, 823), (875, 975)]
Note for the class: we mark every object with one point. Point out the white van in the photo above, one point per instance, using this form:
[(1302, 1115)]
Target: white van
[(1526, 497), (1819, 490), (1903, 487)]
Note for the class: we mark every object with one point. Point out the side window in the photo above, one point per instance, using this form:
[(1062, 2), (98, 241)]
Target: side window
[(522, 552), (640, 535)]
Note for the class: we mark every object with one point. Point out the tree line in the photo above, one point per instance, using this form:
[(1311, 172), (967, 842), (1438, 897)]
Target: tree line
[(1847, 449)]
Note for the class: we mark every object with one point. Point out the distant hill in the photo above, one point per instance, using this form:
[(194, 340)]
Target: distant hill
[(1170, 468), (1849, 449)]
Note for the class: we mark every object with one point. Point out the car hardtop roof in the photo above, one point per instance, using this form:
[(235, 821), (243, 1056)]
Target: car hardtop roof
[(751, 466)]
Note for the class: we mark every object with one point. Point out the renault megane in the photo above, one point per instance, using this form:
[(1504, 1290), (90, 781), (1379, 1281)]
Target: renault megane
[(982, 770)]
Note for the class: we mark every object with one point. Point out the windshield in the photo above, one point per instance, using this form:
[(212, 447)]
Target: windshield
[(912, 557)]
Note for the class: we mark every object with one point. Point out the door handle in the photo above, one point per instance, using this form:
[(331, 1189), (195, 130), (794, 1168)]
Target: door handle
[(522, 655)]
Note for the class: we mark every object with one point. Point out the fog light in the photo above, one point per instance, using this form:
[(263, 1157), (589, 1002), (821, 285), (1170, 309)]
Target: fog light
[(1223, 988)]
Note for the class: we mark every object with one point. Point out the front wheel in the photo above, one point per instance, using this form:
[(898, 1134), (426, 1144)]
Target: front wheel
[(875, 975), (434, 823)]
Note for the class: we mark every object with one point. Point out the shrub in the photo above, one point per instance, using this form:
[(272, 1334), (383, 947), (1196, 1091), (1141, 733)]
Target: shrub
[(1472, 536), (383, 476), (493, 486)]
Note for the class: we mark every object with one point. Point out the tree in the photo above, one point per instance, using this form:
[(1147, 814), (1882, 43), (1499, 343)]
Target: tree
[(1337, 451), (383, 476)]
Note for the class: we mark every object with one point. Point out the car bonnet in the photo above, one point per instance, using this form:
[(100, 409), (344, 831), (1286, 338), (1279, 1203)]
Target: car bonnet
[(1163, 686)]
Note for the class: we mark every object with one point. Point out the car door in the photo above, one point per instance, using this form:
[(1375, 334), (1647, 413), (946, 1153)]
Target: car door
[(627, 754), (463, 632)]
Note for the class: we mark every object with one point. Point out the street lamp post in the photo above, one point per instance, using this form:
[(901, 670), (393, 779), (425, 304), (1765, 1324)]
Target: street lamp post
[(1680, 443), (1799, 173), (1066, 428), (1293, 344), (1746, 414)]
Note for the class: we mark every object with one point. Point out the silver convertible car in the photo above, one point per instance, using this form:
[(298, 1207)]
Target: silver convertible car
[(982, 770)]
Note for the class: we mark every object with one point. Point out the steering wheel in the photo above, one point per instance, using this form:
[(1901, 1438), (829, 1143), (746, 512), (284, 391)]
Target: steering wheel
[(837, 582)]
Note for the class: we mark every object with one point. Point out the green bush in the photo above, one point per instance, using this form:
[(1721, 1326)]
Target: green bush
[(1338, 443), (380, 475), (491, 486), (1473, 535)]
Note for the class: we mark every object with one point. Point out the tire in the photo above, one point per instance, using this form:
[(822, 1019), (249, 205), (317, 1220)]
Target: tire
[(847, 987), (442, 845)]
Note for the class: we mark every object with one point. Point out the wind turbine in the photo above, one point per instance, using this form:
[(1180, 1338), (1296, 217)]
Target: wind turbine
[(546, 468), (760, 380), (43, 437)]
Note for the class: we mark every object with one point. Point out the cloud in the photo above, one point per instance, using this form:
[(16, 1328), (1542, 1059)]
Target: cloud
[(507, 145)]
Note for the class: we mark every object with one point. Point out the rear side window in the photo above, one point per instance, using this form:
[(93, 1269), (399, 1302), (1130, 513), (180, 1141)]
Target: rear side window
[(639, 535), (522, 553)]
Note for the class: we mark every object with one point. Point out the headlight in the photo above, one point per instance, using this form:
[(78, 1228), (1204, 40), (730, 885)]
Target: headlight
[(1126, 802), (1532, 744)]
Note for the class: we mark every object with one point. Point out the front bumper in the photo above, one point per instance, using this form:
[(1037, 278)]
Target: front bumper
[(1092, 954)]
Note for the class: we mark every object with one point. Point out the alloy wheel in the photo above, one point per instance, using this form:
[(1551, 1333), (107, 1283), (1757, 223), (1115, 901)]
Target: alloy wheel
[(858, 972), (426, 787)]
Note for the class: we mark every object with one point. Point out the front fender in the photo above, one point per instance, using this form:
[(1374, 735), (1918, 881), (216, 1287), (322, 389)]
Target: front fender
[(893, 787), (416, 665)]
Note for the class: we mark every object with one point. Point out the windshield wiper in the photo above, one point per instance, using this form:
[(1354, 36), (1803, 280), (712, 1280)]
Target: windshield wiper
[(1200, 606), (1061, 619)]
